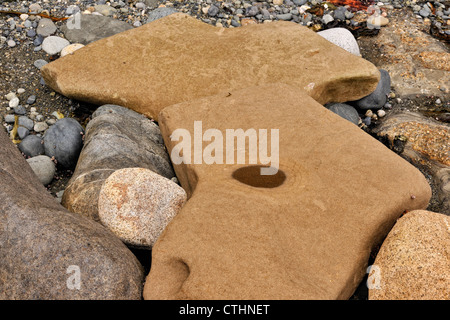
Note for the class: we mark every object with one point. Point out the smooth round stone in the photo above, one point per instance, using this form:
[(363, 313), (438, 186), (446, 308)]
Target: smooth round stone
[(345, 111), (10, 118), (64, 141), (31, 33), (285, 16), (46, 27), (23, 16), (71, 48), (14, 102), (10, 96), (27, 24), (105, 10), (22, 132), (40, 63), (35, 8), (40, 126), (342, 38), (32, 146), (20, 90), (378, 98), (38, 41), (43, 167), (26, 122), (31, 99), (11, 43), (20, 110), (53, 45)]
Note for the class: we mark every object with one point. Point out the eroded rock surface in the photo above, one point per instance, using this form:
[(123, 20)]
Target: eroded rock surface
[(305, 232)]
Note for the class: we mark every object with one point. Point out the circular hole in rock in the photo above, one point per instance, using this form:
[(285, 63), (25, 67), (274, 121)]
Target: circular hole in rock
[(252, 176)]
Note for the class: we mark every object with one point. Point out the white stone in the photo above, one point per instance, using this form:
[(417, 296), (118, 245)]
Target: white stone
[(14, 102), (381, 113), (10, 96), (342, 38), (20, 90), (53, 44), (71, 49)]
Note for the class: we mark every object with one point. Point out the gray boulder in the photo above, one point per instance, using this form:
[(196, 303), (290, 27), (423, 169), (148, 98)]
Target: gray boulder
[(378, 98), (345, 111), (32, 146), (48, 253), (116, 138), (64, 141)]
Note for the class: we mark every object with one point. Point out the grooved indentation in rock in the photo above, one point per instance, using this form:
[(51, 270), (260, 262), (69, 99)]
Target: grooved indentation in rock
[(252, 176)]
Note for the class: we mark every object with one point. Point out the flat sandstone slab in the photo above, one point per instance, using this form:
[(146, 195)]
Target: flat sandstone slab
[(336, 195), (179, 58)]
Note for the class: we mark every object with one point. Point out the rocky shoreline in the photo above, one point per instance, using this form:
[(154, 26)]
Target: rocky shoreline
[(52, 130)]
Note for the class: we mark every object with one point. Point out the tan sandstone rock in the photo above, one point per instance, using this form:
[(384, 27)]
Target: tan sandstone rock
[(179, 58), (136, 204), (305, 232), (413, 261)]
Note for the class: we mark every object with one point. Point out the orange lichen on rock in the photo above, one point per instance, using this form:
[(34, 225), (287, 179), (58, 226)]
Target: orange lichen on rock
[(432, 141)]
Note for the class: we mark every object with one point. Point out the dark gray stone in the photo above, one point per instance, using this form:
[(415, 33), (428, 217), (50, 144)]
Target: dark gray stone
[(44, 249), (378, 98), (252, 11), (160, 13), (86, 28), (20, 110), (32, 146), (22, 132), (345, 111), (116, 138), (213, 11), (31, 99), (64, 141)]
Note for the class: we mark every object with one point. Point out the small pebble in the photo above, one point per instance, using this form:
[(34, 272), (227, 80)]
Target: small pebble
[(31, 99), (14, 102), (381, 113)]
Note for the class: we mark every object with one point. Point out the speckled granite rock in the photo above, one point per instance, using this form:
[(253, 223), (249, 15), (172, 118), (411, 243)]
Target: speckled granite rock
[(137, 204), (414, 261), (42, 245)]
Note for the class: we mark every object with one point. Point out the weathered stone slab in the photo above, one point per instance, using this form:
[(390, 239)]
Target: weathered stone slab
[(49, 253), (305, 232), (413, 263), (425, 143), (116, 138), (179, 58)]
